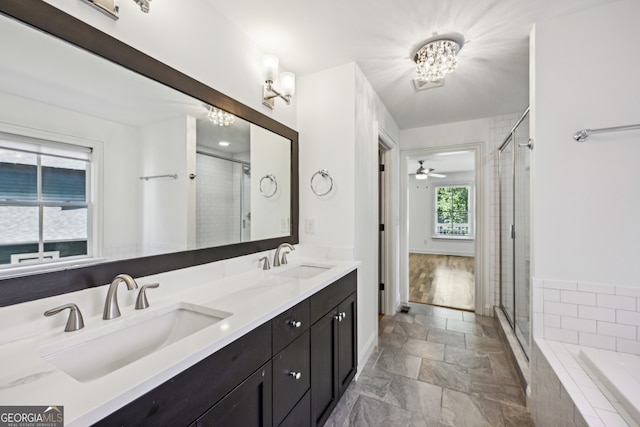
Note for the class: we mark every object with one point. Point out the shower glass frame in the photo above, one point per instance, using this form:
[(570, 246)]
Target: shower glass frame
[(514, 233)]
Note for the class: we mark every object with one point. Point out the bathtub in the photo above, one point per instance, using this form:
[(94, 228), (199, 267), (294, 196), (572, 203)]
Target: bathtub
[(620, 375)]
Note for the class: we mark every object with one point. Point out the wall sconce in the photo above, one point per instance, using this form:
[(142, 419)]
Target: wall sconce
[(287, 82)]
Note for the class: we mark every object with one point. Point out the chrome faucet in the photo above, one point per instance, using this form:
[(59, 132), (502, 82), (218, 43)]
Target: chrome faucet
[(276, 259), (111, 309)]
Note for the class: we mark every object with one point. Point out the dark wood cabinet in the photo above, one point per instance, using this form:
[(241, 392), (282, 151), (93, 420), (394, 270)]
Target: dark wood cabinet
[(249, 404), (333, 346), (288, 372)]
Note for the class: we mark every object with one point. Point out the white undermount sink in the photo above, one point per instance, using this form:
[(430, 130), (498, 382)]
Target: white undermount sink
[(95, 357), (304, 271)]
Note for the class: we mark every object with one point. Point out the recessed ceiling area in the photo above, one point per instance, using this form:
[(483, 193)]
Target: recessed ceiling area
[(492, 77)]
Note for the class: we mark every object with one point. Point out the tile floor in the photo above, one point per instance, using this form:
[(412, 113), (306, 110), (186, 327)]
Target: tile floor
[(435, 367)]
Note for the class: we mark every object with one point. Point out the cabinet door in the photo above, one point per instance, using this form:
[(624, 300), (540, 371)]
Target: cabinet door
[(347, 343), (324, 372), (248, 405), (290, 377)]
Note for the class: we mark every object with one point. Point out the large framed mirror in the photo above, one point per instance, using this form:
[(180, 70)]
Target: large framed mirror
[(113, 162)]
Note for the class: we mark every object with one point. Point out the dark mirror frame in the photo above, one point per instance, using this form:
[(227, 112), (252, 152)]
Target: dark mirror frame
[(44, 17)]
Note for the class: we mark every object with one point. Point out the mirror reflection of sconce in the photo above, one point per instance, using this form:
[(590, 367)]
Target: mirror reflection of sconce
[(270, 64), (269, 188)]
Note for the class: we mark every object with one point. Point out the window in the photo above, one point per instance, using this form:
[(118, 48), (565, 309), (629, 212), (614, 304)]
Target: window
[(453, 213), (44, 201)]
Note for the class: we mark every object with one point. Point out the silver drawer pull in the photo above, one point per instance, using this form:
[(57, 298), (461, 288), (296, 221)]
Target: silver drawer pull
[(340, 316), (295, 375), (295, 324)]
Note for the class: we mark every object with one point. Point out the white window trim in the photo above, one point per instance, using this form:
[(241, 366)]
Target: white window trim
[(95, 194), (472, 206)]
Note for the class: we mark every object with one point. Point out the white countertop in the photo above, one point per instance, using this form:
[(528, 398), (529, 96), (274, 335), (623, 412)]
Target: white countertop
[(252, 298)]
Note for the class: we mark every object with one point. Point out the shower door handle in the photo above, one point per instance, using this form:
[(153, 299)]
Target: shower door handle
[(529, 144)]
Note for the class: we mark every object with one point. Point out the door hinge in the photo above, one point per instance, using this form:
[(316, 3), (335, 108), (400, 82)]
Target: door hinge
[(381, 287), (513, 231), (381, 227), (381, 168)]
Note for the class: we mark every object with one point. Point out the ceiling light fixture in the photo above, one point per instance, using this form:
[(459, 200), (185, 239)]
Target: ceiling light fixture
[(422, 172), (270, 65), (437, 58), (219, 117)]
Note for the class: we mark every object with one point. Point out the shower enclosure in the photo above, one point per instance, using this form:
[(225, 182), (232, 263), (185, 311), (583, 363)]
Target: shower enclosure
[(514, 161)]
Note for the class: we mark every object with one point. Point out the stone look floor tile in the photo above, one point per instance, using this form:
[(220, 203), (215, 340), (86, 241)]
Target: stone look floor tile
[(460, 409), (398, 363), (435, 367), (443, 336), (411, 330), (424, 349), (444, 375)]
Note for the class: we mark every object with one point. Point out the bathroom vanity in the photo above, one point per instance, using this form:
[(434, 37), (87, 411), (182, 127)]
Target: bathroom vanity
[(281, 349)]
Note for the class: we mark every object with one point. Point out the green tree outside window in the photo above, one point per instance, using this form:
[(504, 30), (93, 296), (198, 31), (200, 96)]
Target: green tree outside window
[(452, 211)]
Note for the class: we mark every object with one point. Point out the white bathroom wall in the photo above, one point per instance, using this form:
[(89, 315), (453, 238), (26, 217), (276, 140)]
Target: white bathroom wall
[(422, 216), (168, 212), (270, 216), (585, 198), (117, 208), (586, 201), (338, 116), (194, 38)]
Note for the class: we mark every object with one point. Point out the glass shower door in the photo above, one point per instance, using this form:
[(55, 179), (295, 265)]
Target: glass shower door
[(506, 231), (521, 221)]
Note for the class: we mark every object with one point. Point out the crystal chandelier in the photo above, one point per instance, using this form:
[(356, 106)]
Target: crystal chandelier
[(436, 59), (220, 117)]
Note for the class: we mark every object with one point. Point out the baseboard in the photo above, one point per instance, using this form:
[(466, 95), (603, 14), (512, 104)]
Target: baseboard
[(363, 356)]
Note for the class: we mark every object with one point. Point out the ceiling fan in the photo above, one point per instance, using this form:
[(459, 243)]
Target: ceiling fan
[(423, 173)]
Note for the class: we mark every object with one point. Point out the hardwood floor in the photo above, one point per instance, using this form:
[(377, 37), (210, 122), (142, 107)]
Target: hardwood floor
[(442, 280)]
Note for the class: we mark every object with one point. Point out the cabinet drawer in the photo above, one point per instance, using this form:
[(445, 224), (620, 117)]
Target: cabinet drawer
[(328, 298), (288, 386), (300, 415), (290, 325)]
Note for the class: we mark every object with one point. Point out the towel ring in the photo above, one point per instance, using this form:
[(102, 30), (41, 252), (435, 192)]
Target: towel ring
[(271, 178), (324, 174)]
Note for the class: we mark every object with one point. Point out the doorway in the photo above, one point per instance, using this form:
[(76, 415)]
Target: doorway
[(443, 228)]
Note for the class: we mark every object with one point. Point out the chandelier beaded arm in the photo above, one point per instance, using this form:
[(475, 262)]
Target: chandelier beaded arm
[(436, 59)]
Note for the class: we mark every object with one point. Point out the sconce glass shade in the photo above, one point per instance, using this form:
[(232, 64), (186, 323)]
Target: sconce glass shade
[(270, 65), (288, 83)]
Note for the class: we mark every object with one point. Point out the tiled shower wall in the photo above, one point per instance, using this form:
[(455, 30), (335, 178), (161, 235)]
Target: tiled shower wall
[(594, 315)]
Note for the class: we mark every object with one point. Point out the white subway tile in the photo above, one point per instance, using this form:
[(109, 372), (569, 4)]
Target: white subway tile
[(597, 341), (611, 419), (576, 297), (626, 346), (560, 309), (561, 335), (581, 325), (628, 317), (628, 291), (552, 295), (537, 302), (597, 399), (597, 287), (617, 330), (596, 313), (538, 326), (561, 284), (617, 302), (552, 320), (537, 283)]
